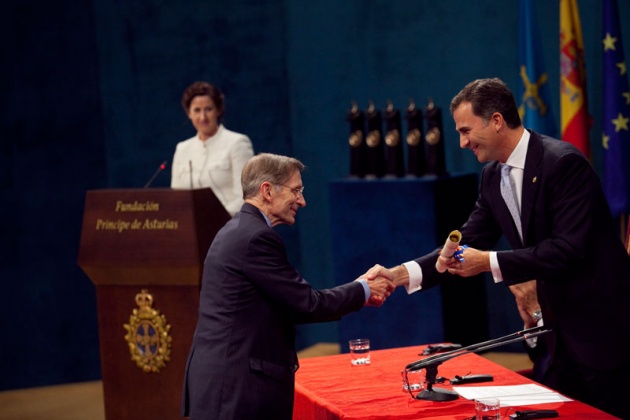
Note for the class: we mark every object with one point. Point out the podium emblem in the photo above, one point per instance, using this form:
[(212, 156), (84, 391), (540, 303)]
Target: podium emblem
[(148, 335)]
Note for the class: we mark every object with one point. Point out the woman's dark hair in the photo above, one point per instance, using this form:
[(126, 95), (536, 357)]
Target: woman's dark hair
[(203, 89)]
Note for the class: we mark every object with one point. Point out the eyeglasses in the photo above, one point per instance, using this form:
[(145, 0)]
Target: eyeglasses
[(297, 192)]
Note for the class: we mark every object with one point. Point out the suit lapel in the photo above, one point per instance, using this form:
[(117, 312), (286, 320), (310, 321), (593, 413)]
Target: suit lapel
[(531, 180)]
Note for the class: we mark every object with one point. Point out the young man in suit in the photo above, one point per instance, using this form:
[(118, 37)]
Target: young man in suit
[(564, 242), (243, 361)]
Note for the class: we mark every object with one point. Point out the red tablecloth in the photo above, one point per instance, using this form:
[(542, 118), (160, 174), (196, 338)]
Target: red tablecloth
[(330, 388)]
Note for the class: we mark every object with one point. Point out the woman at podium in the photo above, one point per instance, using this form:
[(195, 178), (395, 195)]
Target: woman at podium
[(215, 156)]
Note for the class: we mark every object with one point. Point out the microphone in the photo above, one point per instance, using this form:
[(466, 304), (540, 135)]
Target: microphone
[(159, 169), (190, 172), (431, 363), (486, 345)]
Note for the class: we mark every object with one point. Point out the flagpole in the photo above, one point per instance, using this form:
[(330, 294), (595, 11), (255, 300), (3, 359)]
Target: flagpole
[(625, 231)]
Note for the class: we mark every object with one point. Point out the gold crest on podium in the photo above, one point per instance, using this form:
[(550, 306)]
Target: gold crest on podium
[(148, 335)]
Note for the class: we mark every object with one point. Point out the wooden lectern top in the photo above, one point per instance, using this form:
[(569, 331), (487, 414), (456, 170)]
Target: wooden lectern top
[(154, 236)]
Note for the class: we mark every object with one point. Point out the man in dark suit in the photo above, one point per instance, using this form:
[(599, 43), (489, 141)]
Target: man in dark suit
[(243, 361), (562, 236)]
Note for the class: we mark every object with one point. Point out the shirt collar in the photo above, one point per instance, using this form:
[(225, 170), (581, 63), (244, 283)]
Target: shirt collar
[(266, 218), (209, 138), (517, 158)]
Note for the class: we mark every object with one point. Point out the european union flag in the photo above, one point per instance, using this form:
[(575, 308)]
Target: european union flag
[(533, 92), (616, 114)]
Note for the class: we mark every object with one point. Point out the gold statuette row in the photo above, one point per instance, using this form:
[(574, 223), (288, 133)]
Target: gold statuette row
[(371, 157)]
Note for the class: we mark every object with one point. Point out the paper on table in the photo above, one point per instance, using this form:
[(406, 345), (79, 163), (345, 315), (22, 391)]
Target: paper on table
[(513, 395)]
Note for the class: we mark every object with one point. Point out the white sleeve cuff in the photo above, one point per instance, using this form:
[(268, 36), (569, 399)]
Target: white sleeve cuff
[(415, 277), (494, 267)]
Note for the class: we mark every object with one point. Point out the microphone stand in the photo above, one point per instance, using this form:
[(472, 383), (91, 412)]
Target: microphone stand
[(159, 169), (190, 172), (431, 363)]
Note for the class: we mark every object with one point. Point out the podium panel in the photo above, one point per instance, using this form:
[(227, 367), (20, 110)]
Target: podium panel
[(144, 251), (391, 221)]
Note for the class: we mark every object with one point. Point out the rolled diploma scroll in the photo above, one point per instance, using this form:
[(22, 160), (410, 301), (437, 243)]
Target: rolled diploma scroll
[(451, 245)]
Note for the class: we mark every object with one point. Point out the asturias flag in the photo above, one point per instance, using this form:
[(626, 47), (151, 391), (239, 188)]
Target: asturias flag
[(616, 114), (534, 89), (575, 121)]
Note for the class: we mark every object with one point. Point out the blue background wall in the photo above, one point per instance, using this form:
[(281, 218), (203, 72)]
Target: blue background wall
[(90, 99)]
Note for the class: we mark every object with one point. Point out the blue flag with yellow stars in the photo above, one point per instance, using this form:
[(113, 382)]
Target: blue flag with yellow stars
[(533, 92), (616, 114)]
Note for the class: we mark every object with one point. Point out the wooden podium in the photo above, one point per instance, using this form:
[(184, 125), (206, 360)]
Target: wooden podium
[(144, 251)]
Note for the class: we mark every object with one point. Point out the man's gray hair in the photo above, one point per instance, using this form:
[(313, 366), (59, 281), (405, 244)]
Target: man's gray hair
[(275, 169)]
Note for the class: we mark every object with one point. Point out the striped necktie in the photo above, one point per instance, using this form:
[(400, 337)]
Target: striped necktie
[(508, 195)]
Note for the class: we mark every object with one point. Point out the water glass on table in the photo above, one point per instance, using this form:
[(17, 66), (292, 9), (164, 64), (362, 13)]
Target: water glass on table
[(359, 351), (487, 409), (412, 380)]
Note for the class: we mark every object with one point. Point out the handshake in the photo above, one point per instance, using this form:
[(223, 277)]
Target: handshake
[(382, 282)]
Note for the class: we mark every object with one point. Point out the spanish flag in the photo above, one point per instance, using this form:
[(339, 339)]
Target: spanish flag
[(575, 121)]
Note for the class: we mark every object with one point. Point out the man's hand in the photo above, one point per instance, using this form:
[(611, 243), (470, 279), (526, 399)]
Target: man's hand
[(475, 262), (527, 302), (380, 281), (398, 274), (380, 289)]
